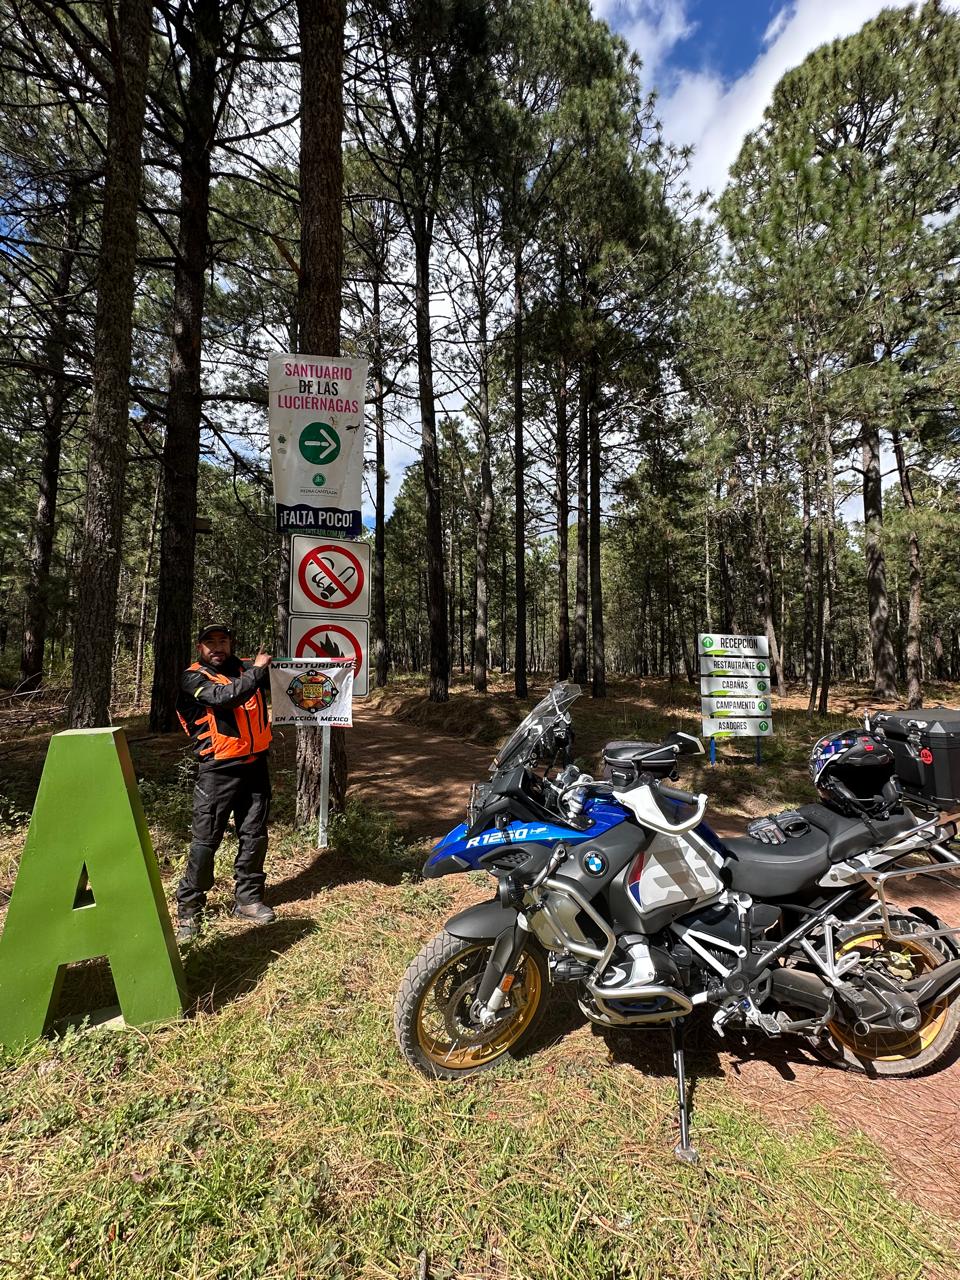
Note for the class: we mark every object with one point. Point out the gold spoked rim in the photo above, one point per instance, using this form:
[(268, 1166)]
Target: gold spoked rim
[(893, 1046), (444, 1031)]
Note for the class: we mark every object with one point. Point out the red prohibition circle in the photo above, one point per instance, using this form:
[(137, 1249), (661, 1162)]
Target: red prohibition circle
[(317, 650), (313, 557)]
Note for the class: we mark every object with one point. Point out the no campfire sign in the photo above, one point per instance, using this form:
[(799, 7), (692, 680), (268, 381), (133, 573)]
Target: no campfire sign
[(329, 578), (313, 637)]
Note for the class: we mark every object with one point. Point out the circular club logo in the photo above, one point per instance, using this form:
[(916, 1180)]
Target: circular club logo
[(312, 691), (926, 755), (319, 443), (708, 642)]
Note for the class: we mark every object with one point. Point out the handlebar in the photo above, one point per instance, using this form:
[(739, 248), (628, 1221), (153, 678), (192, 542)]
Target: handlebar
[(673, 793)]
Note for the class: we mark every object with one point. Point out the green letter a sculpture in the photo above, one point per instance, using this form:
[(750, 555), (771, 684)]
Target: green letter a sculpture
[(88, 886)]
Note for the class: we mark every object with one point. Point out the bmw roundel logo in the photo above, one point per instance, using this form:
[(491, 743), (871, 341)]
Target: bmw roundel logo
[(594, 863)]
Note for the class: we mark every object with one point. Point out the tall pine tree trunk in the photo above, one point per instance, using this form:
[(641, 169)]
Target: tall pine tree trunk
[(40, 551), (519, 479), (321, 25), (807, 557), (914, 669), (563, 525), (599, 681), (884, 660), (583, 532), (485, 513), (436, 584), (96, 610), (381, 655), (172, 641), (829, 613)]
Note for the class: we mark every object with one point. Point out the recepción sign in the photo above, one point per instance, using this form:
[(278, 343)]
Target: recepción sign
[(738, 646), (316, 442)]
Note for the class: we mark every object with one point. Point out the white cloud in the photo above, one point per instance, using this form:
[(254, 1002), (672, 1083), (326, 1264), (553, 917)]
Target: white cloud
[(650, 27), (700, 109)]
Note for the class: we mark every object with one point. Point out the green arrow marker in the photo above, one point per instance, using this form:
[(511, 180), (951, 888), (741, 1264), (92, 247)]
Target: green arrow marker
[(319, 443)]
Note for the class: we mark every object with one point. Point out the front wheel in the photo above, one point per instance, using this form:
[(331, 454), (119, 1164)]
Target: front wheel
[(432, 1013), (930, 1046)]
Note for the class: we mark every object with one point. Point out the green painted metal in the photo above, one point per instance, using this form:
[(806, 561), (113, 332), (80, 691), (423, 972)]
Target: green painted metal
[(88, 886)]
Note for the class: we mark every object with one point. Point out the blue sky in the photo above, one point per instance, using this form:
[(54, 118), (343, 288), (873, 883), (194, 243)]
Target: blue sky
[(715, 63)]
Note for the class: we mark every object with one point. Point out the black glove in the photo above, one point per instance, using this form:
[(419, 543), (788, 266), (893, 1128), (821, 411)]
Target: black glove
[(766, 830), (792, 823)]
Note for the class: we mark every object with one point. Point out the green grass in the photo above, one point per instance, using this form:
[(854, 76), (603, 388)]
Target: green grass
[(277, 1133)]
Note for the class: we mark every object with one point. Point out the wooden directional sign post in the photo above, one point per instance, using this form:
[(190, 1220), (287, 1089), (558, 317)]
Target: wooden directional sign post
[(734, 688), (329, 611)]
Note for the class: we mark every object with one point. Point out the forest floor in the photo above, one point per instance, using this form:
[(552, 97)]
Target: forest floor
[(276, 1132)]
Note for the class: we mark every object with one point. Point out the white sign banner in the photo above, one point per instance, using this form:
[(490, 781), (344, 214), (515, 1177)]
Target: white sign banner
[(715, 706), (331, 578), (719, 666), (738, 646), (320, 637), (735, 727), (316, 442), (733, 686), (309, 693)]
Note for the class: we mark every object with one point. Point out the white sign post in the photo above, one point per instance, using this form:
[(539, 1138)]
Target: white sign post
[(734, 688), (316, 442)]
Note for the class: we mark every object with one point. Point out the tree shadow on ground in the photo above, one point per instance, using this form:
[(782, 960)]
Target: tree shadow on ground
[(331, 870), (223, 967)]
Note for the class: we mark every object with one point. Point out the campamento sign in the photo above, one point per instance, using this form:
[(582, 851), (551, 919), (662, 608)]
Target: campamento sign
[(316, 442), (734, 686)]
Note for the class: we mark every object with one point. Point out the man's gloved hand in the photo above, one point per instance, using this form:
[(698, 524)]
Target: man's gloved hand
[(766, 830)]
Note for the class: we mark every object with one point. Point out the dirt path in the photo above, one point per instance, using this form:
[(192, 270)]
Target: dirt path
[(425, 778)]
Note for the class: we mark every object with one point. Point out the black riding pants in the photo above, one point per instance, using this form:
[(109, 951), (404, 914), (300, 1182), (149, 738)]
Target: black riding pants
[(244, 791)]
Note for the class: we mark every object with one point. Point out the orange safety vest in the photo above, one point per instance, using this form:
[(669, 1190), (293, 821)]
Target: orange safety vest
[(238, 733)]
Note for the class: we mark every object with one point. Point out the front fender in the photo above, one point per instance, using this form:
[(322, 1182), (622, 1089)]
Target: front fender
[(482, 923)]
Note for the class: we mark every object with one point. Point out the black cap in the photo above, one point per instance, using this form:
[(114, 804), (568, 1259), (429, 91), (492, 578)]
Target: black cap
[(214, 626)]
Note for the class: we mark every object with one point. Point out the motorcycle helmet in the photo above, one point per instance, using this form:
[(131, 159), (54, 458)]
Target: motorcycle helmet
[(854, 773)]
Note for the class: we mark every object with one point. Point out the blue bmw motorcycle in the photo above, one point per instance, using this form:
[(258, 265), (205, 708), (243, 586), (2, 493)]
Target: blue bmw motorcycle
[(619, 887)]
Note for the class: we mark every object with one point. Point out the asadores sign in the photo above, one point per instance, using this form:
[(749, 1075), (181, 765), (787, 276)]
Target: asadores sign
[(316, 442)]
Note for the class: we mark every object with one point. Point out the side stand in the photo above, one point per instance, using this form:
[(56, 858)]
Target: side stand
[(684, 1151)]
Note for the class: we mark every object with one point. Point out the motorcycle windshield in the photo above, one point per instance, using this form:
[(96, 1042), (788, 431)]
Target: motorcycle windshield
[(521, 745)]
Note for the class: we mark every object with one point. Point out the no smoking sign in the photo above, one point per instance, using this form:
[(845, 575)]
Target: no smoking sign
[(312, 637), (329, 577)]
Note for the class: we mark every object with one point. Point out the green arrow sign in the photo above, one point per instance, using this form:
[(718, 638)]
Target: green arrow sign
[(319, 443)]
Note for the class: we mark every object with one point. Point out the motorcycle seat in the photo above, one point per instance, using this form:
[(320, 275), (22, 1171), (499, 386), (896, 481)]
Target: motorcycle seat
[(777, 870), (847, 836)]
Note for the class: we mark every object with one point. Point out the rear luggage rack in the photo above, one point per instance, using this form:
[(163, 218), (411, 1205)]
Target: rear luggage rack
[(944, 871)]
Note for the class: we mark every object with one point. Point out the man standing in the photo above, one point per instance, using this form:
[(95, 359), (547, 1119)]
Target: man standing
[(222, 707)]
